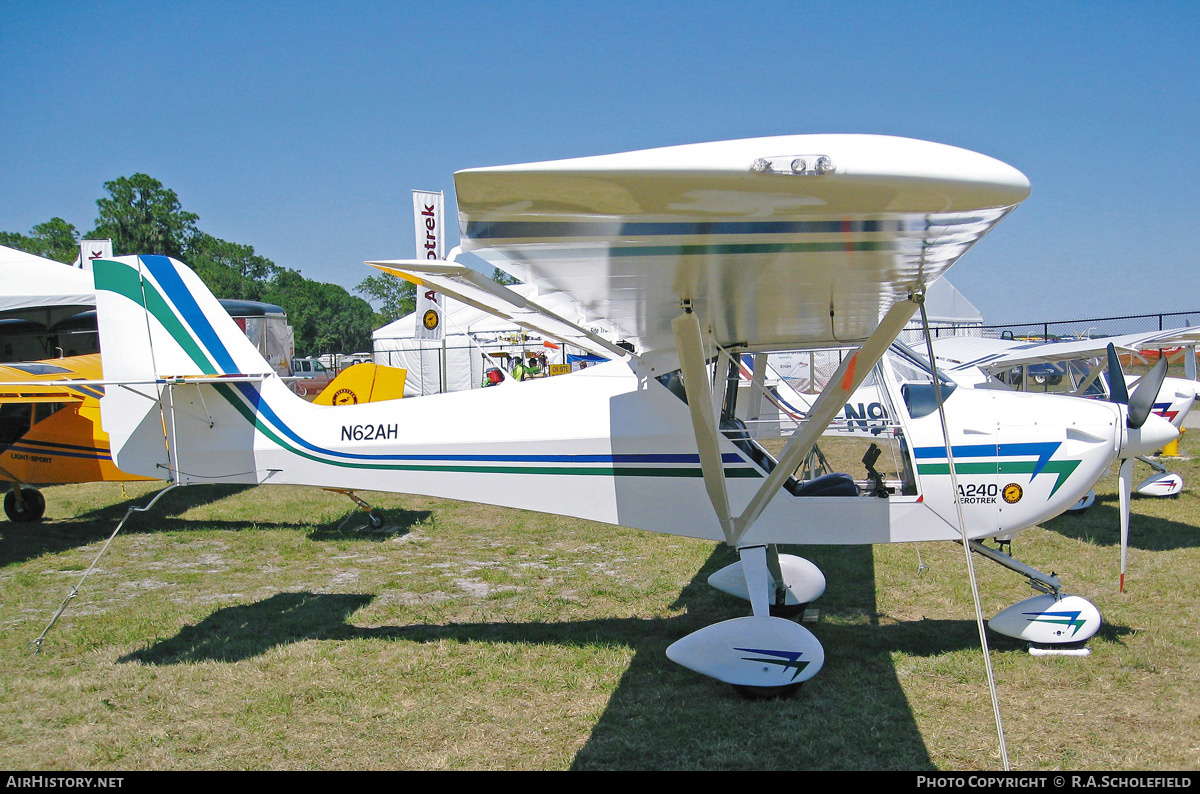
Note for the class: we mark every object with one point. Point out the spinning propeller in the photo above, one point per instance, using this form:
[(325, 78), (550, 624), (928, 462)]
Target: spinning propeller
[(1142, 434)]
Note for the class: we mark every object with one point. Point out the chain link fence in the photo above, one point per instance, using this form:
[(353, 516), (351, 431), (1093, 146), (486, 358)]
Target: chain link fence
[(1090, 328)]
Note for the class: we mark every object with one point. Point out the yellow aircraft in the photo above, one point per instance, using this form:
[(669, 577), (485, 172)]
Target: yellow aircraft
[(364, 383), (50, 430)]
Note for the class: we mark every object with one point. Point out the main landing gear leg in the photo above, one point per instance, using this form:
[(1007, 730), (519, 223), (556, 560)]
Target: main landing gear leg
[(1053, 623), (791, 582), (761, 656)]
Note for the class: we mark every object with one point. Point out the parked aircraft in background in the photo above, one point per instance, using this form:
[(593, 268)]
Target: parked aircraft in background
[(1080, 365), (50, 431)]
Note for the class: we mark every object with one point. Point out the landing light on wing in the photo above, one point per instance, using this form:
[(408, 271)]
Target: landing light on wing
[(795, 165)]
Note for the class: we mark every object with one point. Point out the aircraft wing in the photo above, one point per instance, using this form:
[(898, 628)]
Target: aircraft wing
[(779, 243), (475, 289), (53, 380), (998, 354)]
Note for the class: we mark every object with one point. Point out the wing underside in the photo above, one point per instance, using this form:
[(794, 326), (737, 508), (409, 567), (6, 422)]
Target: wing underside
[(774, 252)]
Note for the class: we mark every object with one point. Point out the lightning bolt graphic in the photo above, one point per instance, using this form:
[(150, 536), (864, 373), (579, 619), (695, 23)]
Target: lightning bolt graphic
[(1059, 618), (788, 660)]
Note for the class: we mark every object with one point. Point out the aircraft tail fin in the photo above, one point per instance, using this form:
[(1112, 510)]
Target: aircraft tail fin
[(158, 323), (166, 323), (364, 383)]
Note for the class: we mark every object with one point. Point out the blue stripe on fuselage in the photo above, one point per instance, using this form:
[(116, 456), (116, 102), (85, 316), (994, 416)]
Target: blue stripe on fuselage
[(1043, 450)]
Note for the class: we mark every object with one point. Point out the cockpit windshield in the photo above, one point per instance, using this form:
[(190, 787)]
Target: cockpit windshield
[(919, 363), (915, 377)]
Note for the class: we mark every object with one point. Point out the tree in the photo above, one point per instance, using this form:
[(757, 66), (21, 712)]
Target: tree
[(55, 239), (325, 317), (143, 217), (500, 277), (18, 241), (398, 296), (59, 240), (230, 270)]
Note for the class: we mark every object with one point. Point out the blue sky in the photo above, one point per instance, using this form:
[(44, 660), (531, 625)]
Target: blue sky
[(300, 128)]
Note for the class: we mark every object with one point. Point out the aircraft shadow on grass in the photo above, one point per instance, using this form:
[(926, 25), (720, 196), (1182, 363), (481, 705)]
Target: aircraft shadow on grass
[(1101, 524), (22, 542), (692, 718)]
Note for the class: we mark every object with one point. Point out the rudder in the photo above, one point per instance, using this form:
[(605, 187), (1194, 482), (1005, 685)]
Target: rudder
[(158, 322)]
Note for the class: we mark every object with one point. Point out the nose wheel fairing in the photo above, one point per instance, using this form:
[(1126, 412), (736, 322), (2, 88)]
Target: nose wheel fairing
[(1049, 620)]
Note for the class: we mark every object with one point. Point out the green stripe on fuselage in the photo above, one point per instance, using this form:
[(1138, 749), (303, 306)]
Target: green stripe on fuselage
[(1063, 468), (582, 471)]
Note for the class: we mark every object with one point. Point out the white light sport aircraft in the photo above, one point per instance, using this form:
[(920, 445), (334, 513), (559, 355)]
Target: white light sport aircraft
[(1091, 368), (691, 252), (882, 407), (1075, 366)]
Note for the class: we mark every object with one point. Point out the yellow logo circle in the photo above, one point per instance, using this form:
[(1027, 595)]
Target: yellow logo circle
[(1013, 493), (430, 319), (345, 397)]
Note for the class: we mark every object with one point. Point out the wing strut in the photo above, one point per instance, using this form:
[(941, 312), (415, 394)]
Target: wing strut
[(690, 343), (1090, 379), (757, 380), (849, 376)]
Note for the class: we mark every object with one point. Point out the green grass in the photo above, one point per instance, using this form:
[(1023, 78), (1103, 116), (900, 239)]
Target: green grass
[(254, 628)]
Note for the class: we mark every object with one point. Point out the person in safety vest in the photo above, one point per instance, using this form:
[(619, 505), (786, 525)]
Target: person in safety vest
[(519, 371)]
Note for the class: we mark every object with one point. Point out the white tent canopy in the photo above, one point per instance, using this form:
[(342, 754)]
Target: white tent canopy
[(947, 306), (37, 295), (454, 363), (41, 290), (458, 362), (949, 312)]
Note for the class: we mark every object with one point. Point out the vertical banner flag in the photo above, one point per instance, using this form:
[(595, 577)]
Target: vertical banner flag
[(93, 249), (427, 217)]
